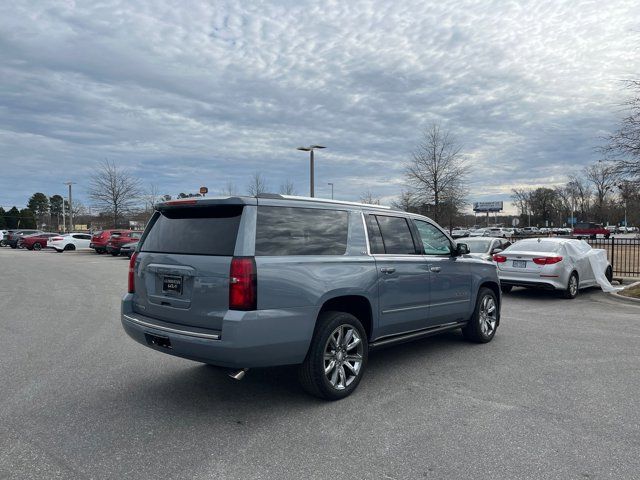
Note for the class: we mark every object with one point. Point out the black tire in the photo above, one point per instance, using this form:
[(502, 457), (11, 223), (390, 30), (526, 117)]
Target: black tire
[(37, 246), (14, 245), (311, 372), (70, 246), (482, 326), (609, 273), (506, 288), (570, 292), (115, 254)]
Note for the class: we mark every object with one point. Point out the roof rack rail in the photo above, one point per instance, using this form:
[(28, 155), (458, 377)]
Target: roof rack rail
[(320, 200)]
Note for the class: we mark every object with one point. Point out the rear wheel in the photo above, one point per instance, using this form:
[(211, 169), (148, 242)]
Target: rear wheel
[(70, 246), (115, 254), (484, 321), (609, 273), (337, 357), (572, 286), (14, 245), (37, 246)]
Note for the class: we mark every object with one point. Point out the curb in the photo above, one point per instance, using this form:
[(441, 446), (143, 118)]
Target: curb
[(623, 298)]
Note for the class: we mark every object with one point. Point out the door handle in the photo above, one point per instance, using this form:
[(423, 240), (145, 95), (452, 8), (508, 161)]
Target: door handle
[(387, 269), (435, 269)]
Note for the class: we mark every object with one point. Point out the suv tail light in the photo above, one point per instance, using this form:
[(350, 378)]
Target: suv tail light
[(132, 276), (242, 284), (546, 260), (499, 258)]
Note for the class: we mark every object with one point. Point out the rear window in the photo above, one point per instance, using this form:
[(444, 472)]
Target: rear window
[(535, 246), (301, 231), (194, 231)]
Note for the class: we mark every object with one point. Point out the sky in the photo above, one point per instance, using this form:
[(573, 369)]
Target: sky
[(185, 94)]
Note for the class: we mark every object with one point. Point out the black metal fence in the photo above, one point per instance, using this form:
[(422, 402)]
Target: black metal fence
[(623, 254)]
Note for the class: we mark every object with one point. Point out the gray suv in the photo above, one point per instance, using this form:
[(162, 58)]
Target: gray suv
[(243, 282)]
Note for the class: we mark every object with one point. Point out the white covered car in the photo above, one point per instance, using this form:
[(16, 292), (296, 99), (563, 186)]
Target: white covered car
[(70, 241), (555, 264)]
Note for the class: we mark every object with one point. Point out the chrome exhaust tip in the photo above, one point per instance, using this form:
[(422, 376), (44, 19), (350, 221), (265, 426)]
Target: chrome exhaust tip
[(238, 374)]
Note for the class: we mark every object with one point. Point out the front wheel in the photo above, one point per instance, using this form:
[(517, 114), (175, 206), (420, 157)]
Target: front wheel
[(483, 324), (572, 287), (609, 273), (337, 357), (37, 246)]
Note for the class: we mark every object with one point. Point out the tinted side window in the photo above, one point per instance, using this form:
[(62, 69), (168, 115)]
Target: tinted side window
[(375, 237), (396, 235), (301, 231), (194, 231), (433, 240)]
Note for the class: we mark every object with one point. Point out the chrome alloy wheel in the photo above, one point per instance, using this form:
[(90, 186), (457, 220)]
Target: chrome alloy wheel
[(343, 356), (573, 285), (488, 316)]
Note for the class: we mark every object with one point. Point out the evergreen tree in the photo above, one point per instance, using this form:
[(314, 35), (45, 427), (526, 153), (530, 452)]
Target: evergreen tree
[(27, 219), (39, 205), (3, 222), (55, 208), (11, 218)]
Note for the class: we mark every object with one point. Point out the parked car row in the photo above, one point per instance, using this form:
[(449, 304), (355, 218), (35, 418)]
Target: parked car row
[(115, 242)]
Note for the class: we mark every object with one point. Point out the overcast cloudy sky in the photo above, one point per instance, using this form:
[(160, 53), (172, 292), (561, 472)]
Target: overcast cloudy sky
[(189, 93)]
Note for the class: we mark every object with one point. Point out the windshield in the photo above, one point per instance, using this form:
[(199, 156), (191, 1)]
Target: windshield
[(477, 246)]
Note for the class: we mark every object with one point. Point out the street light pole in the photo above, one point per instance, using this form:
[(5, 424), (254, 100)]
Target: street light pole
[(331, 189), (310, 149), (70, 206)]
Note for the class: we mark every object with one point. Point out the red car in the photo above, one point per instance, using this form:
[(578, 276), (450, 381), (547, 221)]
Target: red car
[(116, 241), (100, 238), (590, 229), (36, 241)]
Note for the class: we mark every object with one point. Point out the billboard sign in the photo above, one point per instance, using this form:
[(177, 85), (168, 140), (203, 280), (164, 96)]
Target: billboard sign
[(487, 206)]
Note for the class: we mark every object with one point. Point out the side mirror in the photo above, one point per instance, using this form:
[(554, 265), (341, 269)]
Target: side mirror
[(496, 250), (462, 249)]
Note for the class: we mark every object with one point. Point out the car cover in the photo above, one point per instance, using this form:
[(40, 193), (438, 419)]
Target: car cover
[(597, 259)]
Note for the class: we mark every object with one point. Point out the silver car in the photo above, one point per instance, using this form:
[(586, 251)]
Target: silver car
[(485, 247), (551, 263)]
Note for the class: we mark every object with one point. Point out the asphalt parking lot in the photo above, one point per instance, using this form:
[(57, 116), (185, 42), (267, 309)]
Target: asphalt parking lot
[(555, 395)]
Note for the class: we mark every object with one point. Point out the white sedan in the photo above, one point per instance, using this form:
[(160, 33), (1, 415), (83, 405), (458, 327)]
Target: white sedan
[(555, 264), (70, 241)]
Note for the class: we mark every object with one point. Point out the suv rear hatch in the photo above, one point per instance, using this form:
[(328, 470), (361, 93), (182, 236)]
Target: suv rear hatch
[(185, 258)]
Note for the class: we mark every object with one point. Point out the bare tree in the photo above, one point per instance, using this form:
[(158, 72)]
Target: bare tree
[(257, 185), (150, 197), (230, 189), (581, 194), (369, 198), (437, 170), (406, 202), (624, 143), (114, 190), (522, 200), (603, 176), (288, 188)]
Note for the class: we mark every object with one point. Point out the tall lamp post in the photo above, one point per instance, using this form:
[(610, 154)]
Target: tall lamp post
[(330, 183), (70, 206), (310, 149)]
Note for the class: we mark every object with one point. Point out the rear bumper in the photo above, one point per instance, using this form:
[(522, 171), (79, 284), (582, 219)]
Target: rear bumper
[(111, 249), (259, 338), (533, 282)]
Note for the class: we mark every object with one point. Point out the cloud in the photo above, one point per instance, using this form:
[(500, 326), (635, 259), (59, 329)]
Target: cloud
[(186, 93)]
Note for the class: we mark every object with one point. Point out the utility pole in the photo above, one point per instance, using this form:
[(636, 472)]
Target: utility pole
[(310, 149), (64, 218), (70, 206), (331, 189)]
